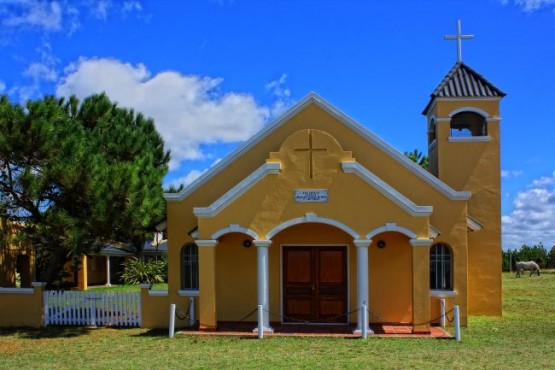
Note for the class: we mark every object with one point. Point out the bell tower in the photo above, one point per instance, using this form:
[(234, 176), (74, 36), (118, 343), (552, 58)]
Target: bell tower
[(463, 123)]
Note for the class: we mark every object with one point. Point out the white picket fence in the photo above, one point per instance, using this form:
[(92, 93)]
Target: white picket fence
[(92, 308)]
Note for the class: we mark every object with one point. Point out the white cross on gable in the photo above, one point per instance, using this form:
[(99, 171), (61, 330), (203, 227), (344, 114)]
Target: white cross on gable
[(459, 37)]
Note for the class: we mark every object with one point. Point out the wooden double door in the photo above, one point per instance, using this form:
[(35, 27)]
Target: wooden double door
[(315, 284)]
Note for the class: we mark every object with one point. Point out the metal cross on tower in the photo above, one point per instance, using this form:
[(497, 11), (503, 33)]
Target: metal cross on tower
[(459, 37)]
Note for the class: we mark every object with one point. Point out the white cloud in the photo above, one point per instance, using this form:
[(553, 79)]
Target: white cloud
[(43, 70), (544, 181), (45, 15), (530, 6), (130, 6), (102, 9), (51, 16), (99, 8), (190, 177), (189, 110), (187, 179), (2, 86), (533, 217), (281, 93), (510, 173)]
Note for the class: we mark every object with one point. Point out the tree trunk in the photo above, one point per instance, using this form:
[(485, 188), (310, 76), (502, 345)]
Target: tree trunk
[(52, 273)]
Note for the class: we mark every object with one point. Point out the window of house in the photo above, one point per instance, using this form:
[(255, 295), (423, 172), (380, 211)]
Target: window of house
[(189, 267), (441, 268), (468, 124)]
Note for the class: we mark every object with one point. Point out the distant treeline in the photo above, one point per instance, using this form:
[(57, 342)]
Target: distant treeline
[(537, 253)]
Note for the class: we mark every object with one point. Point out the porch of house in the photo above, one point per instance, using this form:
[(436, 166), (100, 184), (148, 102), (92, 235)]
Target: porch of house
[(245, 329)]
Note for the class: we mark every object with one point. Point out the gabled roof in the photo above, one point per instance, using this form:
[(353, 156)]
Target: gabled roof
[(113, 250), (314, 98), (464, 82), (155, 248)]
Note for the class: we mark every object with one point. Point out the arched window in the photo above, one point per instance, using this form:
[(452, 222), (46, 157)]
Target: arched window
[(189, 267), (466, 124), (432, 132), (441, 268)]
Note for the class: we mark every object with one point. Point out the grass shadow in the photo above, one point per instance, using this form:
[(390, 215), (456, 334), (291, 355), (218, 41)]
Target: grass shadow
[(49, 332), (153, 333)]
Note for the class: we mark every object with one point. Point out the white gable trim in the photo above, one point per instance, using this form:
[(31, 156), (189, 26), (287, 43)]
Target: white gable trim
[(237, 190), (421, 242), (391, 226), (479, 111), (241, 150), (355, 126), (386, 190), (206, 243), (468, 139), (234, 228), (473, 224), (433, 232), (311, 217)]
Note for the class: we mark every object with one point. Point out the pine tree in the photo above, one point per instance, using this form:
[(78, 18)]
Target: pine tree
[(76, 174)]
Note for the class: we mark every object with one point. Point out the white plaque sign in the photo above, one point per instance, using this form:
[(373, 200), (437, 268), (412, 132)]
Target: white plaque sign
[(311, 196)]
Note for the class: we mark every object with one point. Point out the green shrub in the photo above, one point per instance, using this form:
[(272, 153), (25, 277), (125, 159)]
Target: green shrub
[(138, 271)]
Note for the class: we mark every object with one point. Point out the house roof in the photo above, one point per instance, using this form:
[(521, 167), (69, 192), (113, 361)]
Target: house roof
[(464, 82), (314, 98), (112, 250), (152, 248)]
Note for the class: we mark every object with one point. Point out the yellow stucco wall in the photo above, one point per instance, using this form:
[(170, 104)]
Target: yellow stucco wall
[(475, 166), (156, 309), (390, 275), (390, 270), (236, 287), (22, 309), (180, 214), (352, 202)]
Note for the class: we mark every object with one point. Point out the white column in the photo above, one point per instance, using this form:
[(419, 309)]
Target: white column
[(108, 277), (362, 280), (263, 281)]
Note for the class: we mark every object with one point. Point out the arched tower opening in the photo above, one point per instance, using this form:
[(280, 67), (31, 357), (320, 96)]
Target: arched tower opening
[(468, 124)]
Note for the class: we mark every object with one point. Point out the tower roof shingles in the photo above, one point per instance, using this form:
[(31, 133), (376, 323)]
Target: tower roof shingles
[(464, 82)]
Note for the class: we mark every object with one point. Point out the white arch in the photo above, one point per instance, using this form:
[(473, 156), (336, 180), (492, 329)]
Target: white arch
[(312, 217), (479, 111), (234, 228), (391, 227)]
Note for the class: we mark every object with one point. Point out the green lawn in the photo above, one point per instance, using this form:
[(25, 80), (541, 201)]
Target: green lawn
[(524, 338)]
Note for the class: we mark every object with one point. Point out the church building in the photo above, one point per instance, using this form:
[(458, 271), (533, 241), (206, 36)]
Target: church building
[(316, 216)]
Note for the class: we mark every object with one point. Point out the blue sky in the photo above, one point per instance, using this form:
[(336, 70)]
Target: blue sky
[(212, 73)]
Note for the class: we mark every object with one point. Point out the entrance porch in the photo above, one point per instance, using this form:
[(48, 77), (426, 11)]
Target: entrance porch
[(314, 272)]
